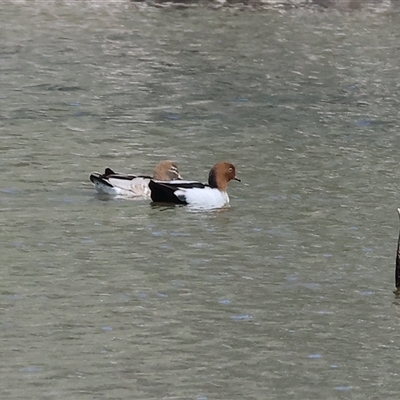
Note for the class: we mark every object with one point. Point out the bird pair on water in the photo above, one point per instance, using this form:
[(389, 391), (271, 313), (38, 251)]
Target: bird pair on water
[(167, 186)]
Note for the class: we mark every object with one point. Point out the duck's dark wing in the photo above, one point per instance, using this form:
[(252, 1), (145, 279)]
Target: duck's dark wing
[(108, 172), (164, 192)]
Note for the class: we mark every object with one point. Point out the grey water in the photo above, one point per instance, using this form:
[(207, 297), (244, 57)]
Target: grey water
[(286, 294)]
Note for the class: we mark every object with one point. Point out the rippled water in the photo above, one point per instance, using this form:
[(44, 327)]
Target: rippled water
[(288, 293)]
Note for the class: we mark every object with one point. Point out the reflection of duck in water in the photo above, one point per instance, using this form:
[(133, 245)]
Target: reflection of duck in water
[(397, 270)]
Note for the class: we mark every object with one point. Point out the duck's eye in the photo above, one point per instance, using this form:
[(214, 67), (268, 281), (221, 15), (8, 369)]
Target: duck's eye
[(230, 169)]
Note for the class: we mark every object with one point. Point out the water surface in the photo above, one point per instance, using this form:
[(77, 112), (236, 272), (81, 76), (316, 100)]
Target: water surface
[(288, 293)]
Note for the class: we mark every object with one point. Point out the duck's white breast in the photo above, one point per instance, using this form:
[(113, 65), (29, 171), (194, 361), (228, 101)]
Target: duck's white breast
[(204, 197)]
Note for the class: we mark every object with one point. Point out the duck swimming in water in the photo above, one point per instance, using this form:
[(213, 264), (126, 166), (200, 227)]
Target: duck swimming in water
[(133, 186), (197, 194)]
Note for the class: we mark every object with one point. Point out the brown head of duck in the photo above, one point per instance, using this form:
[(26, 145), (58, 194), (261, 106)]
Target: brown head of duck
[(221, 174), (166, 171)]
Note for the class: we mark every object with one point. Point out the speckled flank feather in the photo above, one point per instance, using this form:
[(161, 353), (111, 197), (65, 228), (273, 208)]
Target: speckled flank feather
[(132, 186), (122, 186)]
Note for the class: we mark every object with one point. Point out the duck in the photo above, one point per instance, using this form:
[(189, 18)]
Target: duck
[(197, 194), (133, 186)]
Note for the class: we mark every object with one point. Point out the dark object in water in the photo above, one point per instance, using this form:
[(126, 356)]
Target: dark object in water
[(397, 270)]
